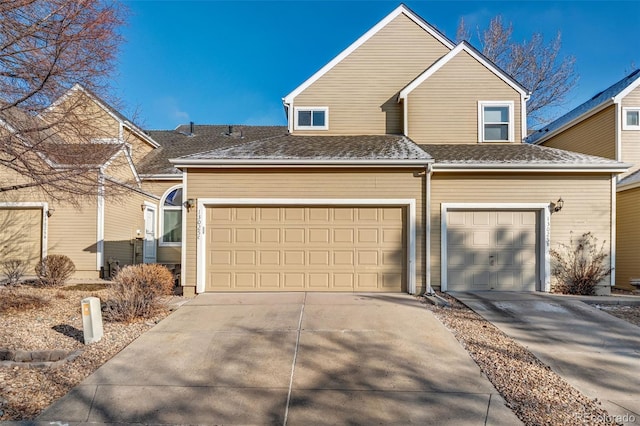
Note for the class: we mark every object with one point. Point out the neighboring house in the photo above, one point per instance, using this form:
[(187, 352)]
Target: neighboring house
[(608, 125), (136, 217), (403, 169)]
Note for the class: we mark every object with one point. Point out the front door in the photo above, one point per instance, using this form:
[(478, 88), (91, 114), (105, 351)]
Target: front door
[(149, 244)]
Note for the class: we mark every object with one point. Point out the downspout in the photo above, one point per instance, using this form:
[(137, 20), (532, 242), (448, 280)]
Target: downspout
[(427, 234)]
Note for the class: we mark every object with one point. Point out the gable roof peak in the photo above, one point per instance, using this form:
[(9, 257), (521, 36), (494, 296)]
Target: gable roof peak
[(402, 9)]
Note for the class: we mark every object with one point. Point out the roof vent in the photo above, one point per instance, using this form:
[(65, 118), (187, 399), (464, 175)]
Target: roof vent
[(191, 128), (231, 132)]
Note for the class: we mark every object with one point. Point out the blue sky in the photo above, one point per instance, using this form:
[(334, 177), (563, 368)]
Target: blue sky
[(231, 62)]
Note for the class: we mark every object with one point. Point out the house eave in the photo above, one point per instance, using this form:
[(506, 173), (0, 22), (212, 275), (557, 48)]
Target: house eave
[(162, 176), (298, 163), (526, 168)]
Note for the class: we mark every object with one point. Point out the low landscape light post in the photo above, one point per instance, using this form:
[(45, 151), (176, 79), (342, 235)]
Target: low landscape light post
[(91, 320)]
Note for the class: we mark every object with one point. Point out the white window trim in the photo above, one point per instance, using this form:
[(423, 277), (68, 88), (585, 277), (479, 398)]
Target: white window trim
[(203, 203), (543, 228), (161, 241), (512, 123), (296, 126), (626, 126)]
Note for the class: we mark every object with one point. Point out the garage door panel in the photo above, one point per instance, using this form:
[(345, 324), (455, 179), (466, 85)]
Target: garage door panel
[(492, 250), (307, 248)]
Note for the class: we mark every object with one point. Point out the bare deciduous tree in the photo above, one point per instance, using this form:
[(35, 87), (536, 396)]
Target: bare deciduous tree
[(46, 47), (534, 63)]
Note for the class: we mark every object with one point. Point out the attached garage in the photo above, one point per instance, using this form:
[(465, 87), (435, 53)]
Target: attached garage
[(339, 248), (22, 234), (493, 248)]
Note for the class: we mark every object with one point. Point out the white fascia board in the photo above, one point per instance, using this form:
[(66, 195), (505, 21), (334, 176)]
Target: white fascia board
[(298, 163), (402, 9), (452, 54), (529, 168), (575, 121), (631, 87), (627, 186)]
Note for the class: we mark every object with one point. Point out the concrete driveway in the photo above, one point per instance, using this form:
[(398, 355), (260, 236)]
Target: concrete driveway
[(290, 359), (595, 352)]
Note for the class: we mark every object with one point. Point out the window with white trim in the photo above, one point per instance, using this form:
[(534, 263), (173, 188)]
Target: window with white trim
[(631, 118), (495, 121), (171, 217), (311, 118)]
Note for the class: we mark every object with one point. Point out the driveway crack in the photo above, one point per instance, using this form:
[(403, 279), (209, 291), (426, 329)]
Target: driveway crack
[(295, 357)]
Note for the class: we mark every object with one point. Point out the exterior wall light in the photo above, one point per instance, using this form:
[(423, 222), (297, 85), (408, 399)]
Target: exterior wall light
[(557, 206), (190, 203)]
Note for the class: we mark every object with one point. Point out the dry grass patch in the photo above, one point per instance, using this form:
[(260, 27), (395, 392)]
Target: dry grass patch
[(14, 300)]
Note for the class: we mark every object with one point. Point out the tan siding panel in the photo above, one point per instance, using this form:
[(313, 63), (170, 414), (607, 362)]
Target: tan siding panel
[(628, 238), (593, 136), (587, 202), (339, 183), (444, 109), (361, 91)]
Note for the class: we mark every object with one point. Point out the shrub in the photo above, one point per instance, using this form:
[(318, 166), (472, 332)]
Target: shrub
[(579, 266), (136, 292), (54, 270), (14, 270)]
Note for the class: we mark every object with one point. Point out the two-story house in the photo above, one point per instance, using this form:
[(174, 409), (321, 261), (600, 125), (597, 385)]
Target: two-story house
[(403, 169), (608, 125)]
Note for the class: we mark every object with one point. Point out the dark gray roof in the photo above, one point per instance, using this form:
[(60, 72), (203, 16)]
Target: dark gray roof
[(180, 142), (587, 106), (511, 154), (320, 148)]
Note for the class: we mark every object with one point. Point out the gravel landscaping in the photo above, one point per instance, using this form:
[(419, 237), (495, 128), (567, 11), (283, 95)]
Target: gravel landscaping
[(36, 319), (628, 313), (536, 394)]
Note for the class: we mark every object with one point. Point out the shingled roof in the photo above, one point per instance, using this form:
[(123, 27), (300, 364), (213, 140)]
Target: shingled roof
[(509, 155), (181, 141), (293, 148), (592, 104)]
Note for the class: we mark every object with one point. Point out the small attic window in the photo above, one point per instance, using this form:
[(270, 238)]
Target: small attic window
[(311, 118), (631, 118)]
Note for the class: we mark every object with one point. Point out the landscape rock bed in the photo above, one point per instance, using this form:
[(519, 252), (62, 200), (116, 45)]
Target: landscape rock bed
[(628, 313), (50, 320), (536, 394)]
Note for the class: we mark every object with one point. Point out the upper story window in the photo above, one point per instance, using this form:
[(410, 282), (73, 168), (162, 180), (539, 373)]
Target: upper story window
[(631, 118), (311, 118), (171, 217), (495, 121)]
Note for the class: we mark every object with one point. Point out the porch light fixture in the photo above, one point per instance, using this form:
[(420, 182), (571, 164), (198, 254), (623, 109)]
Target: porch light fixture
[(190, 203), (50, 211), (557, 206)]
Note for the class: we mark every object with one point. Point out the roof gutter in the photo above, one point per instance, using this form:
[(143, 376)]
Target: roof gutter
[(496, 167), (162, 176), (297, 163)]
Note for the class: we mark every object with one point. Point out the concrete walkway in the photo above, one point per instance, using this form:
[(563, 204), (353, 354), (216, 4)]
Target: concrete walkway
[(293, 359), (595, 352)]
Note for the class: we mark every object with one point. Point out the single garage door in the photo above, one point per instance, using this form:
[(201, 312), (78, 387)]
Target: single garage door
[(21, 235), (306, 249), (491, 250)]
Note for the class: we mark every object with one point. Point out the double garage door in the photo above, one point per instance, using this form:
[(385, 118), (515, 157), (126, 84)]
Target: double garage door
[(306, 248), (492, 250)]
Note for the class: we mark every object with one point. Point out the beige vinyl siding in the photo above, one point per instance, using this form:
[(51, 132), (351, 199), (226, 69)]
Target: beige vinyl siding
[(631, 138), (332, 183), (587, 202), (73, 232), (628, 238), (361, 91), (120, 169), (594, 136), (139, 147), (158, 188), (444, 108), (123, 217)]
